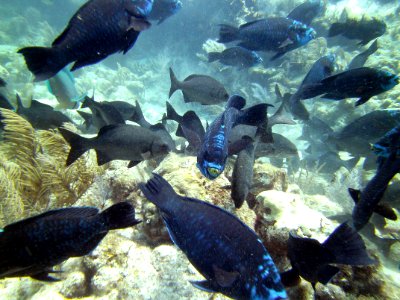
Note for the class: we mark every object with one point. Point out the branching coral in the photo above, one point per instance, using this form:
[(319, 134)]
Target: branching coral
[(33, 174)]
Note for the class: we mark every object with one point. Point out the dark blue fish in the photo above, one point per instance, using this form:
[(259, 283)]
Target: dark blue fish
[(359, 60), (312, 260), (321, 69), (98, 29), (224, 250), (31, 247), (367, 201), (214, 150), (163, 9), (275, 34), (236, 56), (307, 11), (362, 83)]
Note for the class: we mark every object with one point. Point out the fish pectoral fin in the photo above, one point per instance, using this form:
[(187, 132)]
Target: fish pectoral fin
[(362, 100), (133, 163), (204, 285), (285, 43), (326, 273), (384, 210), (225, 278), (146, 155), (102, 158), (138, 24), (44, 276), (354, 194)]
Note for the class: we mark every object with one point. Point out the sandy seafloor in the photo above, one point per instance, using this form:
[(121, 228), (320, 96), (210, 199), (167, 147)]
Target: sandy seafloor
[(141, 263)]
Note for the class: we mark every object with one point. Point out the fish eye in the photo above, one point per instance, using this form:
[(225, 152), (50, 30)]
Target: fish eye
[(214, 172)]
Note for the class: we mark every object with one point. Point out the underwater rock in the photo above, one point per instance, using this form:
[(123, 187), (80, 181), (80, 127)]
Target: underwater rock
[(267, 177), (74, 286)]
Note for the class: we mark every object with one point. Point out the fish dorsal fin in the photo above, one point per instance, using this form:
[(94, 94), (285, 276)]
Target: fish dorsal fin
[(156, 127), (354, 194), (194, 76), (250, 23), (70, 212), (225, 278), (107, 128), (204, 285)]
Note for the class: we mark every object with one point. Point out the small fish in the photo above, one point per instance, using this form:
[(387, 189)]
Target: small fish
[(62, 86), (276, 34), (163, 9), (98, 29), (119, 141), (223, 249), (41, 116), (362, 83), (364, 30), (359, 60), (367, 201), (31, 247), (321, 69), (103, 113), (214, 150), (158, 128), (236, 56), (242, 176), (199, 88), (312, 260), (307, 11)]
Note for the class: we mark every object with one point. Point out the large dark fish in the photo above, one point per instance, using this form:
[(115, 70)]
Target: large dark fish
[(321, 69), (276, 34), (31, 247), (364, 30), (236, 56), (99, 28), (359, 60), (214, 150), (242, 176), (103, 113), (307, 11), (223, 249), (199, 88), (41, 116), (163, 9), (362, 83), (158, 128), (367, 201), (312, 260), (120, 141)]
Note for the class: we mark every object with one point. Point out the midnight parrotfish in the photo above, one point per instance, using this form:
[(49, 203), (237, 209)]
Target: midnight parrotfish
[(222, 248), (31, 247), (236, 56), (276, 34), (362, 83), (367, 201), (321, 69), (313, 261), (214, 149), (40, 115), (307, 11), (364, 30), (62, 86), (163, 9), (359, 60), (98, 29), (119, 141), (199, 88)]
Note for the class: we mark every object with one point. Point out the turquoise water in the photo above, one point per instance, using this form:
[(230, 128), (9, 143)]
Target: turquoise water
[(310, 199)]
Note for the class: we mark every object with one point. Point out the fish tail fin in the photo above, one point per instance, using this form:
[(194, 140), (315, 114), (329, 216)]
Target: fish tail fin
[(137, 115), (120, 215), (290, 278), (298, 109), (347, 247), (43, 62), (175, 84), (172, 114), (158, 191), (336, 29), (254, 115), (227, 33), (79, 145), (213, 56)]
